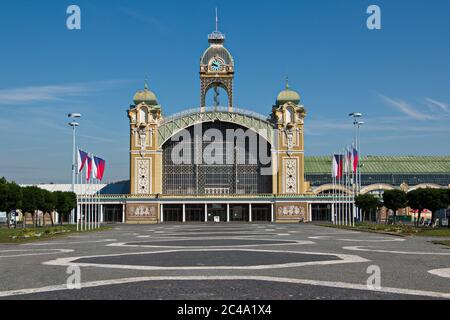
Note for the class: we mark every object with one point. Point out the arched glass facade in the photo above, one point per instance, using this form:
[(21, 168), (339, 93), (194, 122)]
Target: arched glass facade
[(216, 158)]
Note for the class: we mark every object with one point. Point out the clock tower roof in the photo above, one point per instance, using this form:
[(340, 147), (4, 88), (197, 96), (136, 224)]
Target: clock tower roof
[(216, 49)]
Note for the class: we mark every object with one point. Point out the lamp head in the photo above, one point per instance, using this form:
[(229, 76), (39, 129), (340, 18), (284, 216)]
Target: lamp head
[(74, 115), (355, 114), (73, 124)]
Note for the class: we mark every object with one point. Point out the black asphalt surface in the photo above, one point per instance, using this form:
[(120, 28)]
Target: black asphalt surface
[(215, 290)]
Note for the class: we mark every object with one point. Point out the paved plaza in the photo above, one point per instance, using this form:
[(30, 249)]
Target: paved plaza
[(226, 261)]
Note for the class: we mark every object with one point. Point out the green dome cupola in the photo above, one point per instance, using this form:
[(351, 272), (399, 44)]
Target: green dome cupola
[(288, 95), (145, 96)]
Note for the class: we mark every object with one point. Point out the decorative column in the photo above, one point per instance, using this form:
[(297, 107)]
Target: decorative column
[(206, 212), (123, 213), (272, 213), (184, 212), (332, 213), (162, 213), (228, 212), (249, 212)]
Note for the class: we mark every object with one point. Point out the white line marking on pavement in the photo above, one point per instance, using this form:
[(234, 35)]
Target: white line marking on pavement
[(71, 261), (63, 243), (362, 248), (229, 234), (445, 272), (335, 232), (147, 245), (339, 285), (382, 239), (45, 252)]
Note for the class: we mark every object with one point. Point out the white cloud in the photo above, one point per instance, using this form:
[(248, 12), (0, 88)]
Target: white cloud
[(407, 109), (52, 92), (441, 105)]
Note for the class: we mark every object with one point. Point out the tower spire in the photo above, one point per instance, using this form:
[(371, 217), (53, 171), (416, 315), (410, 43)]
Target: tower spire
[(217, 20), (287, 82)]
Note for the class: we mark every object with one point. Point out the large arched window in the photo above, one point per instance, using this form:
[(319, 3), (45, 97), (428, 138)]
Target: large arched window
[(207, 159)]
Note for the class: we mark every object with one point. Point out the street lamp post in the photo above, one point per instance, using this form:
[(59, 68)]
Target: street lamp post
[(358, 136), (357, 174), (74, 125)]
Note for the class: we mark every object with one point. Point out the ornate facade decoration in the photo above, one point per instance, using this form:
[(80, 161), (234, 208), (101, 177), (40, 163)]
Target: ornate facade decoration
[(292, 212), (144, 211), (143, 176), (142, 139), (290, 169), (216, 70)]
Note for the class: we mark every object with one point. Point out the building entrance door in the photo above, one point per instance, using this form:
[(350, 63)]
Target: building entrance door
[(195, 213), (217, 213)]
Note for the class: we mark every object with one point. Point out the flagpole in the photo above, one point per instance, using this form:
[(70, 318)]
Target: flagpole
[(341, 173), (347, 184), (95, 193), (74, 190), (90, 194), (345, 187), (333, 220), (85, 200), (338, 191)]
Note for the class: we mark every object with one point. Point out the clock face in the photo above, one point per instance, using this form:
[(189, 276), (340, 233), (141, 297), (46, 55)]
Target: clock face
[(216, 65)]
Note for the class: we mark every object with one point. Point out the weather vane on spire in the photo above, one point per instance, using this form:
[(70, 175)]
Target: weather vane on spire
[(216, 36), (217, 20)]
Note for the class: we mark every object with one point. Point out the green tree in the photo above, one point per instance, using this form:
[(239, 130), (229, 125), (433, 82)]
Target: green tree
[(49, 204), (10, 195), (416, 201), (394, 200), (65, 202), (367, 203), (4, 190), (434, 200), (33, 200)]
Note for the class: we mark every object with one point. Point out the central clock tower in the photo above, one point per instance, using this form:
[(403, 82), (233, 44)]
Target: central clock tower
[(216, 70)]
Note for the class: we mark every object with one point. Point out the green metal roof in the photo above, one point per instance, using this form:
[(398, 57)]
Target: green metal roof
[(385, 164)]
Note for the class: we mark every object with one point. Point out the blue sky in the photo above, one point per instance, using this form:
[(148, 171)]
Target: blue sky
[(399, 76)]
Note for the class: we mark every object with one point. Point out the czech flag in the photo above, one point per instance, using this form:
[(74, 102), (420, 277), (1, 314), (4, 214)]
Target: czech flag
[(355, 160), (89, 168), (338, 165), (348, 161), (99, 165), (82, 157)]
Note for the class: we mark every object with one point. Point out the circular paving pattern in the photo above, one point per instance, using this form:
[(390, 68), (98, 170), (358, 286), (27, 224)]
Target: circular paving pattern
[(213, 234), (209, 230), (204, 258)]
